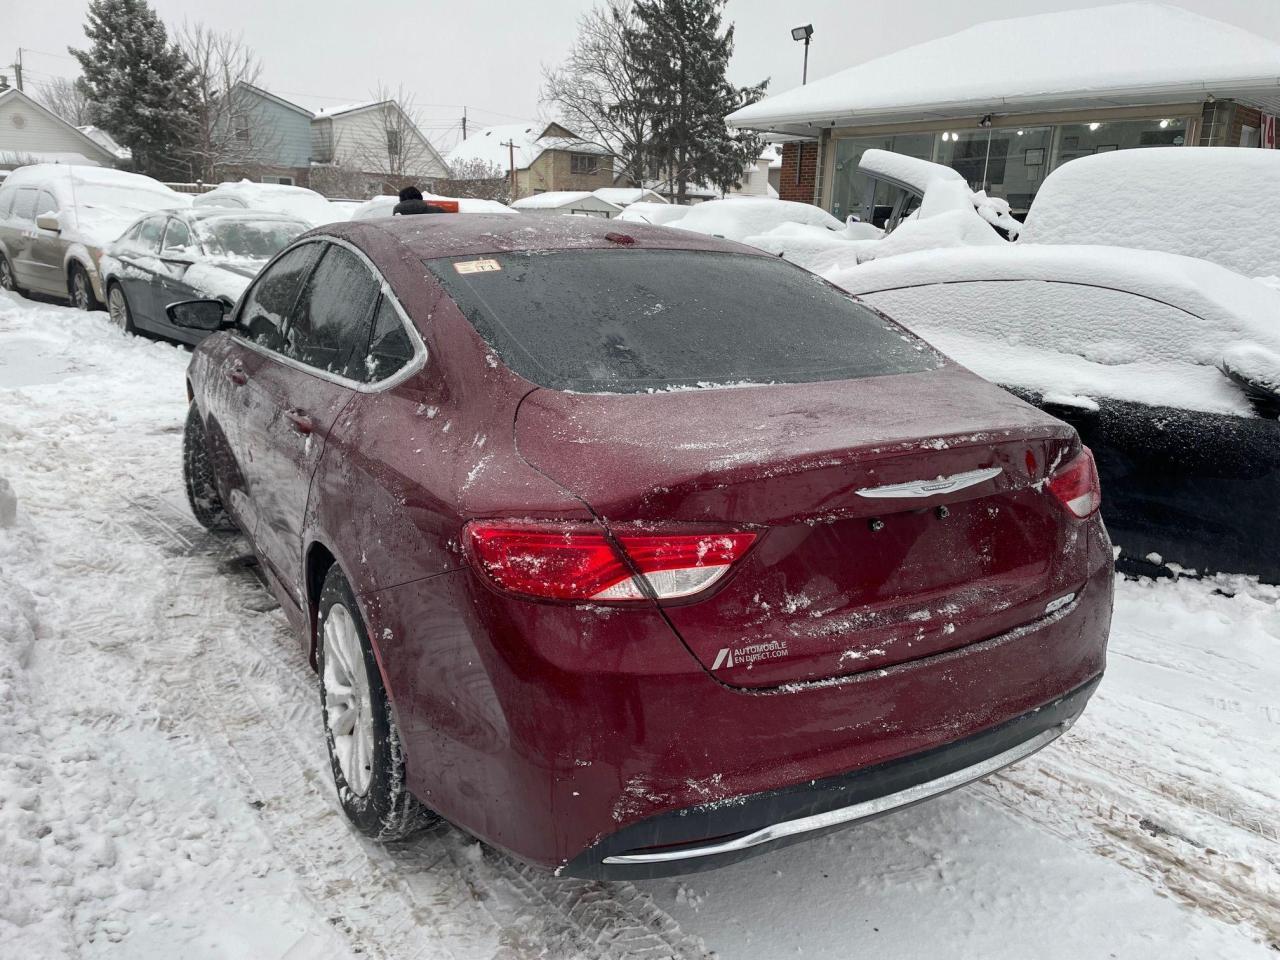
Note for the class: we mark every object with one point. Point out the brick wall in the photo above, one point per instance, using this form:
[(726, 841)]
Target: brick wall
[(801, 157), (1242, 117)]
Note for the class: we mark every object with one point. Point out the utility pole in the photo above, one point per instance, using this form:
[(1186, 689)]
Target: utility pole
[(464, 123), (17, 70), (511, 148)]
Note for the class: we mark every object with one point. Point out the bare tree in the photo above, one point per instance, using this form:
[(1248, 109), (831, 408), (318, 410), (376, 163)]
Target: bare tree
[(66, 99), (391, 143), (229, 128), (593, 90), (477, 179)]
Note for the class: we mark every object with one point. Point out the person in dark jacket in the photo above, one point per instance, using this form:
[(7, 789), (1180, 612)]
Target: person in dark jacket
[(411, 202)]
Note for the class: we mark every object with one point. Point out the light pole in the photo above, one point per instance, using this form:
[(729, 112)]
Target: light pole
[(803, 33)]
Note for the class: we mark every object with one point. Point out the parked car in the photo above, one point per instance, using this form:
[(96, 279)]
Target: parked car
[(187, 254), (637, 553), (55, 220), (297, 202), (1168, 366)]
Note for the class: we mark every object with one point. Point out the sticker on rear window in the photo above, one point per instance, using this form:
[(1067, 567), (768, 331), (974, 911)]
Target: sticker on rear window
[(477, 266)]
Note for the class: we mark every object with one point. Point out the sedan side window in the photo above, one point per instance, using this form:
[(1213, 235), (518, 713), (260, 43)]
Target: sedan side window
[(177, 236), (390, 346), (149, 235), (270, 300), (329, 330), (46, 204), (24, 205)]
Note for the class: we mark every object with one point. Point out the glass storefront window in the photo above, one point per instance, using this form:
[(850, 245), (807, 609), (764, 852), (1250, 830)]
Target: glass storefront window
[(850, 188), (1083, 139), (1007, 162)]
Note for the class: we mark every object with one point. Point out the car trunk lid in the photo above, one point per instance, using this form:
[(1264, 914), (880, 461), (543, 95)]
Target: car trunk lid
[(899, 516)]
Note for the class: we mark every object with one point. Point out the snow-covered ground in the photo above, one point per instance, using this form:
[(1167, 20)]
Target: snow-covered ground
[(164, 789)]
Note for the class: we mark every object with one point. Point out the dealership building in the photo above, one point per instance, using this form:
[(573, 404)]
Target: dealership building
[(1006, 102)]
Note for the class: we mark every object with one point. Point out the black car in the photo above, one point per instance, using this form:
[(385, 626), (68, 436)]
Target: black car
[(190, 254), (1168, 367)]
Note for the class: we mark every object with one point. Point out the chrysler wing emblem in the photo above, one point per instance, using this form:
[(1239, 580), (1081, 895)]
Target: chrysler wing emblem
[(929, 488)]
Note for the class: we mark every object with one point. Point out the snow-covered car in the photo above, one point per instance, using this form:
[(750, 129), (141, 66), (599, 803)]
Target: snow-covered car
[(1218, 203), (1168, 366), (211, 253), (381, 206), (55, 220), (297, 202), (652, 212)]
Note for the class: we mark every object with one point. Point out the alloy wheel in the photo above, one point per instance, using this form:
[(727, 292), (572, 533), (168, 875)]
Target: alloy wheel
[(6, 275), (80, 295), (347, 700), (118, 308)]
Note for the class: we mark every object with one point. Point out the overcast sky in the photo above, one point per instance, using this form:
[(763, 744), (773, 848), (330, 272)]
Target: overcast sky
[(489, 55)]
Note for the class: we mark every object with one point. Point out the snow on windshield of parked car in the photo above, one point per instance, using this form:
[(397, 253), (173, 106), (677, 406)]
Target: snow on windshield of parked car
[(244, 238), (1218, 203), (1082, 321)]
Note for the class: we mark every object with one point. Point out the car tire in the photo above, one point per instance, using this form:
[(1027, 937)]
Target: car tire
[(198, 476), (80, 288), (8, 281), (359, 726), (118, 308)]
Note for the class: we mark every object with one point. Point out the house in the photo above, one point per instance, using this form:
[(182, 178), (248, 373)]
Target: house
[(1006, 102), (546, 157), (554, 203), (366, 149), (30, 133), (271, 142)]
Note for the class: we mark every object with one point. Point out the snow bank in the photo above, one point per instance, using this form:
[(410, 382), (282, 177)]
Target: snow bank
[(1084, 320), (737, 218), (1218, 203)]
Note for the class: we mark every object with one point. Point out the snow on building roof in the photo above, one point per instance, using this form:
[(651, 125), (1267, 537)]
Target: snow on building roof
[(553, 199), (325, 112), (625, 196), (532, 139), (106, 141), (1101, 56)]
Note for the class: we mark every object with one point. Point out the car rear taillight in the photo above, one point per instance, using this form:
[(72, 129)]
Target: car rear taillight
[(1076, 485), (577, 562)]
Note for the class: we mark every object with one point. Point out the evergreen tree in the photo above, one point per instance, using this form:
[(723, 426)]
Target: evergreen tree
[(681, 58), (139, 85)]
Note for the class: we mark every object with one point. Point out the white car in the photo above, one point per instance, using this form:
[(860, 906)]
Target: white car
[(55, 220), (297, 202)]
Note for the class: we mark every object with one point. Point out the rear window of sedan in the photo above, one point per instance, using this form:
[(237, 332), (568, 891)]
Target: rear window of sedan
[(633, 321)]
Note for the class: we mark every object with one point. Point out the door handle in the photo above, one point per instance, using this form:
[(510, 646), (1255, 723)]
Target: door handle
[(237, 376), (300, 421)]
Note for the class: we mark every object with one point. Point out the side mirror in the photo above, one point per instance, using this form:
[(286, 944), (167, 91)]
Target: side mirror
[(49, 221), (1257, 371), (177, 255), (198, 314)]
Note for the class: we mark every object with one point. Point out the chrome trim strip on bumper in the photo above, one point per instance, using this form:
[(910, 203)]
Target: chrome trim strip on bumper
[(858, 811)]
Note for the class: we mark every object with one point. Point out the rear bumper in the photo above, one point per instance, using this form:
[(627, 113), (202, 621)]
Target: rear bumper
[(714, 835)]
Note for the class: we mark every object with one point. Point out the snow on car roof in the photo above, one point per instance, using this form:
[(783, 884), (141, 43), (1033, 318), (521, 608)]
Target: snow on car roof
[(737, 218), (1165, 355), (1218, 203), (909, 170), (1067, 56)]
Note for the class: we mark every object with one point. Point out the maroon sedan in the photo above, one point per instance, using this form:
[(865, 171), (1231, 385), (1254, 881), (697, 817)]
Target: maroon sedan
[(633, 554)]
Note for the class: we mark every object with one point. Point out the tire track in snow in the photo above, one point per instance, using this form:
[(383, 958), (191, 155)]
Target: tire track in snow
[(523, 910), (1146, 831)]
